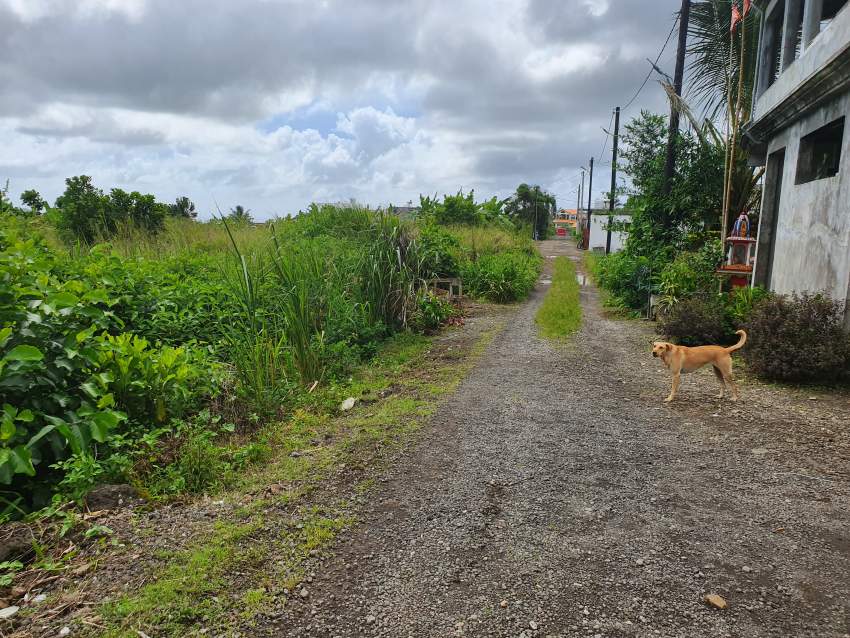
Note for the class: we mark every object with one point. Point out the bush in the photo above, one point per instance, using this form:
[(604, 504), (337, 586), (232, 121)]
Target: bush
[(502, 277), (697, 321), (438, 249), (71, 381), (741, 302), (689, 273), (83, 212), (798, 338), (431, 312), (627, 278)]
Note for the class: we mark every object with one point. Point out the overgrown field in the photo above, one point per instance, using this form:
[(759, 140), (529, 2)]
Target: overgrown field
[(151, 359)]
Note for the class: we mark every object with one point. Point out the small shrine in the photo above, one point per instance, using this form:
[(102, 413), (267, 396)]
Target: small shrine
[(740, 254)]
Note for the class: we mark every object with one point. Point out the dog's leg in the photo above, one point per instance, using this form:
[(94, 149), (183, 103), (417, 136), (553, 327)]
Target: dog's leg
[(719, 375), (675, 388), (725, 366)]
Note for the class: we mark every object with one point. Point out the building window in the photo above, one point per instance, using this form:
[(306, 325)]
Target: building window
[(775, 31), (830, 10), (820, 152)]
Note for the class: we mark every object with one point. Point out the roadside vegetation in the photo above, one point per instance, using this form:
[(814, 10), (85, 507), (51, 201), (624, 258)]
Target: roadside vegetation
[(134, 338), (559, 315), (140, 346)]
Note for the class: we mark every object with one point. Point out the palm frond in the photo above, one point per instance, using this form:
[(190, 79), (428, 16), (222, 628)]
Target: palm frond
[(714, 57)]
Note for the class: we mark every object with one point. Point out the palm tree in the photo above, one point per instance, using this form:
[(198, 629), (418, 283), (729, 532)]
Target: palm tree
[(721, 68), (183, 207), (240, 215)]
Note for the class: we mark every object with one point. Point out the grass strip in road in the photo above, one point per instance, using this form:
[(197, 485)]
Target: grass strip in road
[(560, 313)]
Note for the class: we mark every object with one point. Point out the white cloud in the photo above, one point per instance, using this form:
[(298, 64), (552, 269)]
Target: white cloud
[(276, 103)]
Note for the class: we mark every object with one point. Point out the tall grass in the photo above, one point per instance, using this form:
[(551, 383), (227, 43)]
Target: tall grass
[(256, 338), (185, 235), (391, 271), (302, 283)]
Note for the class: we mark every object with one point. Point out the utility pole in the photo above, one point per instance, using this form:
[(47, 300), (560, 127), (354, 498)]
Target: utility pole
[(589, 209), (534, 234), (613, 179), (580, 191), (670, 163)]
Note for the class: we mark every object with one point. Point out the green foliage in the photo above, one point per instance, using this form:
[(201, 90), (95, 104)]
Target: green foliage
[(501, 277), (628, 278), (240, 215), (560, 314), (740, 303), (70, 381), (709, 55), (183, 207), (664, 224), (439, 249), (85, 213), (6, 206), (690, 273), (32, 199), (532, 206), (798, 338), (108, 352), (431, 312)]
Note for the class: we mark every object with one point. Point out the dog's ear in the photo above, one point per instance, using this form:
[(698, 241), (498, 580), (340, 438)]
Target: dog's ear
[(668, 346)]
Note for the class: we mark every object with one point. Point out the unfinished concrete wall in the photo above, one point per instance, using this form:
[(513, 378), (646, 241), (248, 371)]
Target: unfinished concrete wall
[(599, 232), (812, 250)]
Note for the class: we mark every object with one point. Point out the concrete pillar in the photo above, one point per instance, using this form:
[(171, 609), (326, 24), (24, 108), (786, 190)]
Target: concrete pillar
[(790, 25), (811, 21)]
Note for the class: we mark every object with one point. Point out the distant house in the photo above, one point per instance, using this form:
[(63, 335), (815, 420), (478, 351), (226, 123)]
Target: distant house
[(799, 130)]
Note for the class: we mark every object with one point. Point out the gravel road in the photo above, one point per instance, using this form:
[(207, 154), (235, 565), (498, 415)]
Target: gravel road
[(553, 494)]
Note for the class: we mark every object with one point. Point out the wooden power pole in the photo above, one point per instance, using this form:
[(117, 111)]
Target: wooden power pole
[(589, 208), (613, 179)]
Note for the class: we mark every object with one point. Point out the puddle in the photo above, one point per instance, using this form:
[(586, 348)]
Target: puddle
[(545, 282), (581, 279)]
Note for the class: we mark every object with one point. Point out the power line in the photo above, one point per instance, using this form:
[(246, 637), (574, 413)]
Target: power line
[(652, 68), (607, 135)]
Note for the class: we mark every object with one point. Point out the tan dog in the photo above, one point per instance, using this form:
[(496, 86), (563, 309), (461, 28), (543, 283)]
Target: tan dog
[(680, 359)]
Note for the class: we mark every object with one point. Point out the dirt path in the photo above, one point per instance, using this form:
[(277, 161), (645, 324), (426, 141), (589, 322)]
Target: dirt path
[(555, 495)]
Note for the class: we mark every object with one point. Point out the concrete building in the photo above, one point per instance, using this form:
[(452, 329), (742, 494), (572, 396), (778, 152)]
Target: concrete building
[(599, 229), (799, 130)]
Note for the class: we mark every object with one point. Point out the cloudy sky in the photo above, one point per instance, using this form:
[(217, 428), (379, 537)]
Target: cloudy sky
[(273, 104)]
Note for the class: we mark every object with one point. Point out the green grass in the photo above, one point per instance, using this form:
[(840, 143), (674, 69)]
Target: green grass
[(560, 314)]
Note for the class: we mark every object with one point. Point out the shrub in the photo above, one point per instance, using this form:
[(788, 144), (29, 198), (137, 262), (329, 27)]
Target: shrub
[(741, 301), (71, 381), (438, 249), (83, 212), (697, 321), (431, 312), (502, 277), (627, 278), (689, 273), (798, 338)]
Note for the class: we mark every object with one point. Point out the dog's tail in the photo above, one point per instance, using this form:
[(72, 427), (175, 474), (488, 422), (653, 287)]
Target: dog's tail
[(740, 343)]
